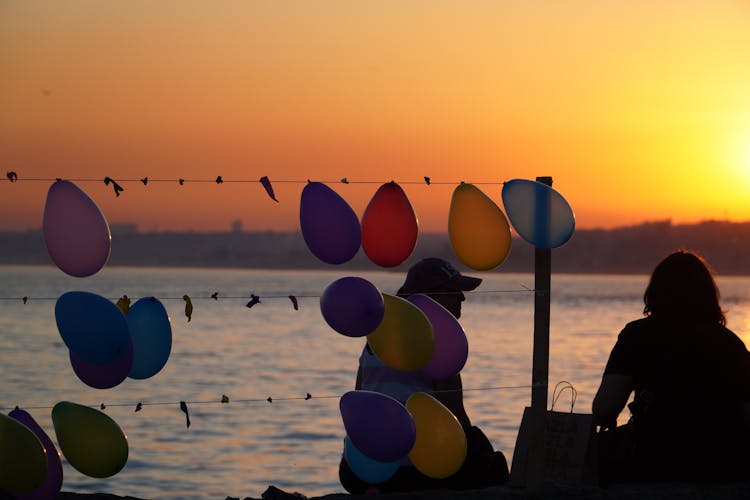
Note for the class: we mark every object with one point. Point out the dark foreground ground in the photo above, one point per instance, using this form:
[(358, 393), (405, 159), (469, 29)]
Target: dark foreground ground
[(663, 491)]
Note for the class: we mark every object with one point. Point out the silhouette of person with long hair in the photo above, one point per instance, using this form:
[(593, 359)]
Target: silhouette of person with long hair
[(690, 375)]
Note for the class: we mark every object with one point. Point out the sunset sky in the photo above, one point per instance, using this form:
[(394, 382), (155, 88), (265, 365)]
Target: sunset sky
[(639, 110)]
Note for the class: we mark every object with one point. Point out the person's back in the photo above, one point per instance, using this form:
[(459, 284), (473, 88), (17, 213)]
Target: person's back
[(690, 415), (688, 392)]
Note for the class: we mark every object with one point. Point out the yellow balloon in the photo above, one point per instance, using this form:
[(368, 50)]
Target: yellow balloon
[(23, 461), (478, 230), (92, 442), (440, 448), (404, 340)]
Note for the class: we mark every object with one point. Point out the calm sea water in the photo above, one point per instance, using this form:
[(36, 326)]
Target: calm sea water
[(271, 350)]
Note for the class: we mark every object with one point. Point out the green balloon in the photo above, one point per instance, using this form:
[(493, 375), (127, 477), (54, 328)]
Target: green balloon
[(23, 461), (404, 340), (91, 441)]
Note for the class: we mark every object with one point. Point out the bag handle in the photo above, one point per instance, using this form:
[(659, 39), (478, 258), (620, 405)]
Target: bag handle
[(557, 392)]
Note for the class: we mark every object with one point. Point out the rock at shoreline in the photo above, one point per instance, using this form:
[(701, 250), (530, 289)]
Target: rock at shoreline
[(658, 491)]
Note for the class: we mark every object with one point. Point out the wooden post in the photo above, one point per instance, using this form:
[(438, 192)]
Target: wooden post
[(540, 366)]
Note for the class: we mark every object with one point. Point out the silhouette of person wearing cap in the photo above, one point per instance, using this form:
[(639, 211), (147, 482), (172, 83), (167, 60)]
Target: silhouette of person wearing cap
[(483, 467)]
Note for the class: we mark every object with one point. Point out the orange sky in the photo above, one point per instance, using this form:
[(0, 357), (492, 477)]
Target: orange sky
[(639, 110)]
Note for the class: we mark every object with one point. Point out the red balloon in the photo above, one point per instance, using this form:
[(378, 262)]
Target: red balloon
[(389, 226)]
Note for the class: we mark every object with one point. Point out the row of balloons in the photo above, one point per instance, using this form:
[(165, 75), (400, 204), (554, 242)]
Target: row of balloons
[(478, 230), (78, 239)]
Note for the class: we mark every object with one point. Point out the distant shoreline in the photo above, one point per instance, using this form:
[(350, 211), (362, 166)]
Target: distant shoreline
[(627, 250)]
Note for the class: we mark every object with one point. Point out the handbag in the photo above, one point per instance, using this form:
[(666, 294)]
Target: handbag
[(569, 447)]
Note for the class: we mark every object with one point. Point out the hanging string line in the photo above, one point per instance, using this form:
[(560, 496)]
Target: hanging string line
[(269, 399), (269, 296), (224, 180)]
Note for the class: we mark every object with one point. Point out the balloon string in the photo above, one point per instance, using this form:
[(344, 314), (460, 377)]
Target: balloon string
[(269, 296), (223, 181), (225, 400)]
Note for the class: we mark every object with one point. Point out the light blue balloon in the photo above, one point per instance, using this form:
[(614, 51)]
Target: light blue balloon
[(151, 332), (92, 327), (538, 213), (368, 470)]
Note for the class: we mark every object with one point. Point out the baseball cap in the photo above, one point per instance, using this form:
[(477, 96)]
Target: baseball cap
[(432, 273)]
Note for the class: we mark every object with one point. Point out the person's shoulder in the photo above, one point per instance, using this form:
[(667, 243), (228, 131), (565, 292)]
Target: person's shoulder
[(636, 327), (643, 333), (732, 339)]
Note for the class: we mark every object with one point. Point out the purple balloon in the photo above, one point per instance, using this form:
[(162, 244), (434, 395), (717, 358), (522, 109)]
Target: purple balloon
[(92, 327), (451, 346), (151, 332), (378, 425), (329, 225), (53, 480), (352, 306), (75, 231), (103, 376)]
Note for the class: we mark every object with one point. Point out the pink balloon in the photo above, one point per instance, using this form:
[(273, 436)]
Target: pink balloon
[(451, 346), (75, 230), (389, 226), (103, 376), (53, 480)]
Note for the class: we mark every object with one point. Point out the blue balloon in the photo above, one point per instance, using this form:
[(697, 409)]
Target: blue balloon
[(538, 213), (368, 470), (352, 306), (92, 327), (378, 425), (329, 225), (151, 332)]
